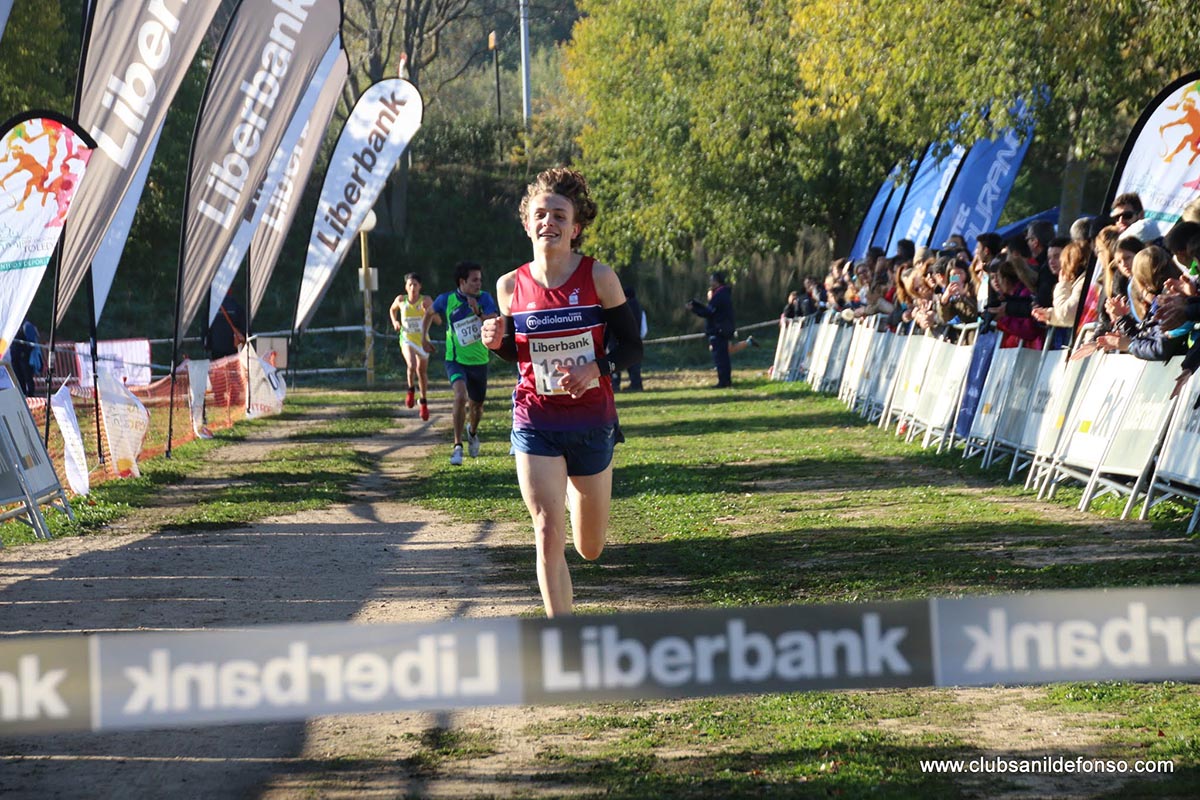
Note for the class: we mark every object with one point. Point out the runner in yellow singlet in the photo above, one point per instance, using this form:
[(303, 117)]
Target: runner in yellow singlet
[(408, 319)]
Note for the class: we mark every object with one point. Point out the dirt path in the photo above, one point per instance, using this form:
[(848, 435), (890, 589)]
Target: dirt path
[(369, 561), (372, 560)]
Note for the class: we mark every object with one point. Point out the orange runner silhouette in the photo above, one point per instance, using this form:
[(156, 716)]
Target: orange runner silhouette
[(1191, 118), (30, 164)]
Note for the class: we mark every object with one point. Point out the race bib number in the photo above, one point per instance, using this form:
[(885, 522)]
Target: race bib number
[(548, 354), (414, 324), (467, 330)]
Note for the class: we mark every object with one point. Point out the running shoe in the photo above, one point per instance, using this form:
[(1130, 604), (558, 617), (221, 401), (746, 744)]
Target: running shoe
[(473, 443), (411, 399), (424, 410), (456, 456)]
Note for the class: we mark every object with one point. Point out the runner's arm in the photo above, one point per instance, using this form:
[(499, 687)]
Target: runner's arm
[(393, 311), (499, 333), (618, 318)]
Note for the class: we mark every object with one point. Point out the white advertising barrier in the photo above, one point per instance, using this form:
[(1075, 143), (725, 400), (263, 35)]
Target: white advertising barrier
[(1177, 469), (781, 347), (74, 455), (1072, 380), (814, 325), (934, 381), (948, 367), (1137, 438), (789, 350), (836, 363), (892, 345), (880, 344), (27, 476), (267, 389), (856, 363), (1050, 382), (1180, 457), (158, 679), (18, 430), (127, 359), (1097, 413), (800, 335), (911, 373), (822, 346), (125, 424), (1015, 400), (1140, 427), (791, 334), (983, 426)]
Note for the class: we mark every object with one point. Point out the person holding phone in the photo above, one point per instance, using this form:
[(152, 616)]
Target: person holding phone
[(957, 305)]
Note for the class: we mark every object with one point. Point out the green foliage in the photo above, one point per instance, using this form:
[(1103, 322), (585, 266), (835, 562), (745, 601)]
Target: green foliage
[(38, 57), (918, 67), (688, 136)]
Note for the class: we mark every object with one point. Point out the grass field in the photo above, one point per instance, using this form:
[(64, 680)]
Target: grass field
[(770, 494)]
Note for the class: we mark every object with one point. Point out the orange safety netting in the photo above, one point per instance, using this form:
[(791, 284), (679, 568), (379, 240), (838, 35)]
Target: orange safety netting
[(224, 404)]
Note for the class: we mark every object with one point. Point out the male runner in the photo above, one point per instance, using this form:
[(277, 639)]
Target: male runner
[(408, 319), (463, 312)]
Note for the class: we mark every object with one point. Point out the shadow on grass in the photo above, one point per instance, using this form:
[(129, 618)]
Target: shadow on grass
[(743, 424), (837, 563), (494, 480)]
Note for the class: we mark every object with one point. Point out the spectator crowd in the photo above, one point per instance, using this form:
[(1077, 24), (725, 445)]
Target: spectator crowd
[(1115, 283)]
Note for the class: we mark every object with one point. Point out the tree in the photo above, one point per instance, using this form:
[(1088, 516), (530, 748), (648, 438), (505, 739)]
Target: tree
[(922, 66), (378, 33), (688, 136)]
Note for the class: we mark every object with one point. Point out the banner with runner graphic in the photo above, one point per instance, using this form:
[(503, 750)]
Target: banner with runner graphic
[(1160, 162), (383, 122), (74, 456), (135, 56), (43, 156), (253, 214), (284, 202), (1161, 158), (266, 61)]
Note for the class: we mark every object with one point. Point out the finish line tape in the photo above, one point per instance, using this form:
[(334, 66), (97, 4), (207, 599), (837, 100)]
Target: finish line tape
[(108, 682)]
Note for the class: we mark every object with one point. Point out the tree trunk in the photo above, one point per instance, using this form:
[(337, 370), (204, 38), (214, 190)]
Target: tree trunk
[(1074, 178), (398, 198), (1070, 201)]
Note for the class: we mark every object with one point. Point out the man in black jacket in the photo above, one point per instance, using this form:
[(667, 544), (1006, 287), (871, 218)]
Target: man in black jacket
[(718, 325)]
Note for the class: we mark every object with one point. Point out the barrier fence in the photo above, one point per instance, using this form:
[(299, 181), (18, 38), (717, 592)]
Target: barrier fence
[(1106, 422)]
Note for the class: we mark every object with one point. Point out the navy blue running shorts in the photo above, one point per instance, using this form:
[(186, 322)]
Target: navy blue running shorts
[(588, 452), (476, 376)]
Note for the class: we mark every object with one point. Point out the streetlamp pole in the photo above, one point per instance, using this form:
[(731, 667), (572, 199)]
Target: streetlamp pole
[(367, 281), (525, 91), (495, 63)]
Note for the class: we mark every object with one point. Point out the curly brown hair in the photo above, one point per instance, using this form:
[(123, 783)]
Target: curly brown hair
[(570, 184)]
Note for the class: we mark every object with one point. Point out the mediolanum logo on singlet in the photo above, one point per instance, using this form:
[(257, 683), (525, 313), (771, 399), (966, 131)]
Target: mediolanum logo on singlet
[(557, 319)]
